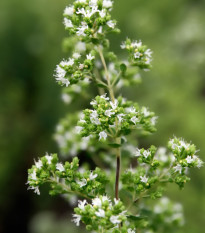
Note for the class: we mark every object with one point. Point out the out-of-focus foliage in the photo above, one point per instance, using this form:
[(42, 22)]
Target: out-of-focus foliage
[(30, 36)]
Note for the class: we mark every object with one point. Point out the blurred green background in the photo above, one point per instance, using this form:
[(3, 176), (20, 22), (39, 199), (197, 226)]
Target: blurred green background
[(31, 33)]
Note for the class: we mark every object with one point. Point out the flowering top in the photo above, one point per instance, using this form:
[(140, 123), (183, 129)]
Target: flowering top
[(101, 214), (115, 118), (139, 54), (71, 71), (89, 19), (65, 178)]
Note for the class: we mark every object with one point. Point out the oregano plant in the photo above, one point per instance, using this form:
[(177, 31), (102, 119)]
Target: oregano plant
[(122, 190)]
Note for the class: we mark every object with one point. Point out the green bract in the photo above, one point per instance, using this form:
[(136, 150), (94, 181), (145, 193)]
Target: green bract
[(119, 185)]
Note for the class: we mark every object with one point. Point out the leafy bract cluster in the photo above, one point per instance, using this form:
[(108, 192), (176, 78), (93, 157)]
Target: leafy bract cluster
[(106, 132), (65, 178), (115, 119)]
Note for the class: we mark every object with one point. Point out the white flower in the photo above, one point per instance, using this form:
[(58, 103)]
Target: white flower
[(82, 182), (114, 105), (60, 73), (38, 164), (33, 175), (136, 44), (107, 3), (146, 153), (105, 198), (93, 102), (67, 23), (189, 159), (92, 176), (134, 119), (81, 29), (93, 3), (100, 213), (76, 219), (49, 158), (76, 55), (154, 120), (96, 202), (131, 110), (104, 97), (123, 45), (36, 189), (65, 81), (178, 168), (111, 24), (109, 113), (102, 135), (120, 117), (102, 13), (90, 57), (94, 118), (143, 179), (145, 112), (87, 13), (114, 219), (69, 11), (81, 204), (137, 153), (130, 230), (116, 201), (59, 166), (148, 53)]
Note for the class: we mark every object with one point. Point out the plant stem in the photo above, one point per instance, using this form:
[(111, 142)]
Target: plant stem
[(118, 139)]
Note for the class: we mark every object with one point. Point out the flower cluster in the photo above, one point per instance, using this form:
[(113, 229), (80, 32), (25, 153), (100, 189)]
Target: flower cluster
[(74, 69), (115, 118), (65, 178), (102, 214), (89, 19), (184, 155), (139, 54)]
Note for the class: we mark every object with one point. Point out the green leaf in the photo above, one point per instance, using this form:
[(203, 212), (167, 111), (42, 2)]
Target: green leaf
[(123, 67)]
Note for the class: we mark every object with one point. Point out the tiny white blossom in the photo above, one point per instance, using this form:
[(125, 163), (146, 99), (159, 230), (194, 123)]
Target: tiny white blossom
[(81, 204), (100, 213), (66, 98), (111, 24), (114, 219), (123, 45), (145, 112), (114, 105), (49, 158), (94, 118), (104, 97), (92, 176), (146, 153), (116, 201), (76, 219), (93, 3), (97, 202), (130, 230), (102, 135), (82, 182), (102, 13), (68, 23), (33, 175), (154, 120), (137, 153), (81, 29), (38, 164), (148, 52), (109, 113), (60, 72), (134, 119), (80, 46), (107, 3), (120, 117), (76, 55), (59, 166), (178, 168), (136, 44), (69, 11), (143, 179), (189, 159), (36, 189), (90, 57)]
